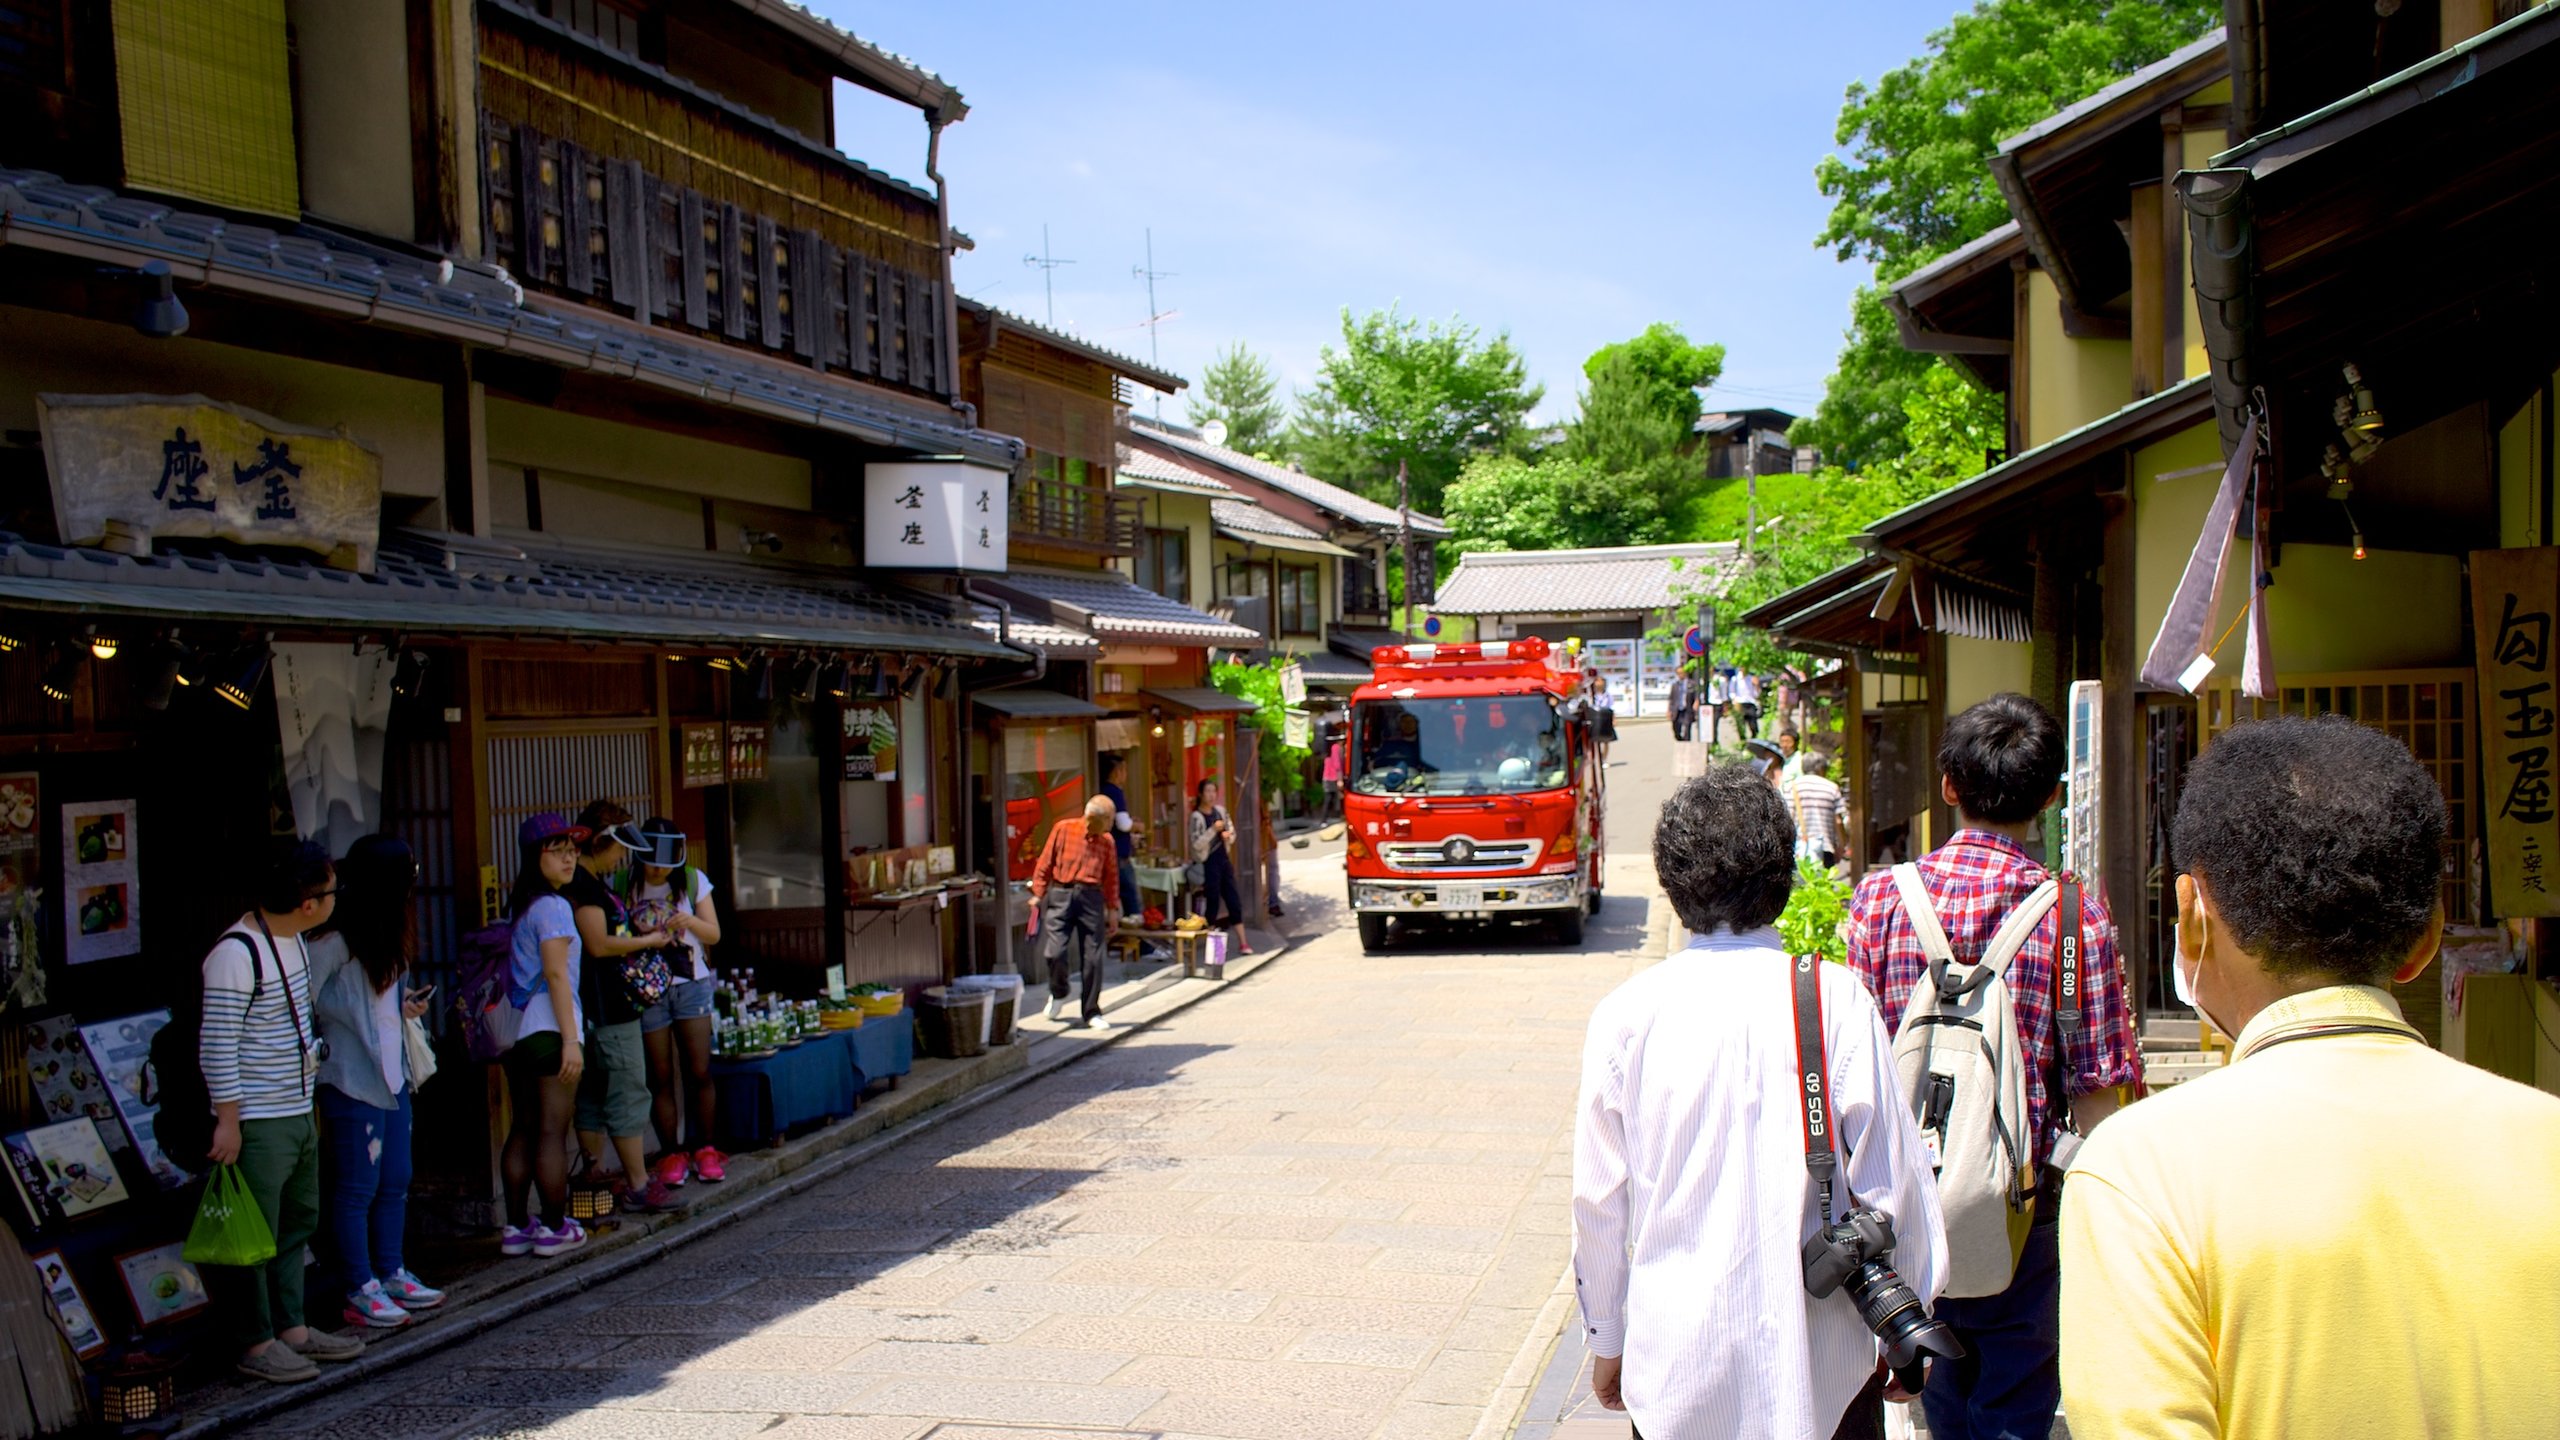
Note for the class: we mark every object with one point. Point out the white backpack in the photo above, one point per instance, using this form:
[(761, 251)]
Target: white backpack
[(1964, 1073)]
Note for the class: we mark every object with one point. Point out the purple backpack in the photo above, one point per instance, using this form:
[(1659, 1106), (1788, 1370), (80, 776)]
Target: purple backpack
[(485, 1000)]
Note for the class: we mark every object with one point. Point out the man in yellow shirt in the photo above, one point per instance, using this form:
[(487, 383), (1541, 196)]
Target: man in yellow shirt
[(2341, 1233)]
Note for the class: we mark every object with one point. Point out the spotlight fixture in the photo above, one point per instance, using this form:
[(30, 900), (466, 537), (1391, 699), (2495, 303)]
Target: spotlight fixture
[(2364, 417), (760, 675), (810, 674), (61, 672), (102, 646), (239, 686), (160, 316), (9, 643), (2340, 474), (883, 682), (722, 662), (166, 674), (409, 674), (1155, 714), (837, 679)]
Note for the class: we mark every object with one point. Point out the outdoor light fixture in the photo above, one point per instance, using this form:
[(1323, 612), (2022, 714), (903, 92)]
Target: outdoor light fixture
[(166, 675), (9, 644), (722, 663), (240, 686), (409, 674), (808, 671), (102, 646), (159, 316), (61, 671), (839, 679), (2365, 417), (760, 675), (1155, 715), (883, 684)]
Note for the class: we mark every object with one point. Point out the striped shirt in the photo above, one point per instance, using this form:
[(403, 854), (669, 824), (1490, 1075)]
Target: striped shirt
[(1815, 799), (258, 1053), (1691, 1203)]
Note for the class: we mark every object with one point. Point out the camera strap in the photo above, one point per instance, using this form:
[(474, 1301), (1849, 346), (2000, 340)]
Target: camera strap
[(1812, 1088)]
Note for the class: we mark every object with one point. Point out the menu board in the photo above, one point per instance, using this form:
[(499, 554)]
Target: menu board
[(122, 1052), (67, 1080), (62, 1171)]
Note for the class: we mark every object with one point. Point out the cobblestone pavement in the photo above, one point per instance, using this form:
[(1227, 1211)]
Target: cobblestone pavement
[(1330, 1202)]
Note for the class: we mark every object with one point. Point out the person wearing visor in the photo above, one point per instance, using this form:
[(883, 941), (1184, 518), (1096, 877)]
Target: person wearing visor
[(662, 888), (613, 1099)]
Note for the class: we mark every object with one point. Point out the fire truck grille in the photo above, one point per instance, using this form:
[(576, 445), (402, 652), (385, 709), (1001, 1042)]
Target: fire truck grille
[(1459, 855)]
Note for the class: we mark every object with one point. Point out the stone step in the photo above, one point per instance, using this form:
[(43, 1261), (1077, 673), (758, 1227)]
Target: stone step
[(2167, 1069)]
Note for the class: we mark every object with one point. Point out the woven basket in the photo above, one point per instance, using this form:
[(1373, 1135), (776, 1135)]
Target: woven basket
[(950, 1026), (889, 1004)]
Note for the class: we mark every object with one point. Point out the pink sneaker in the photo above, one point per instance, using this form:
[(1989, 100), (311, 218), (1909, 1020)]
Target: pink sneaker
[(673, 1169), (547, 1241), (372, 1308), (710, 1165)]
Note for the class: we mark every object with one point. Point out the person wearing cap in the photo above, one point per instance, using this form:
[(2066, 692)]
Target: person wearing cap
[(613, 1099), (676, 1031), (544, 1065), (1076, 886)]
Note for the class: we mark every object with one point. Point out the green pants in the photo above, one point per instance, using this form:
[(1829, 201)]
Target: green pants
[(280, 1160)]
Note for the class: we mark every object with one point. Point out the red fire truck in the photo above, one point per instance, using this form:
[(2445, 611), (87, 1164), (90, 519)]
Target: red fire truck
[(1472, 790)]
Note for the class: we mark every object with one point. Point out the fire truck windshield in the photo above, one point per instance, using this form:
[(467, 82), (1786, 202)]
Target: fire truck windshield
[(1457, 745)]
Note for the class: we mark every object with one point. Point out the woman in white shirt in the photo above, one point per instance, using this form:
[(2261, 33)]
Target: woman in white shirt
[(676, 1032)]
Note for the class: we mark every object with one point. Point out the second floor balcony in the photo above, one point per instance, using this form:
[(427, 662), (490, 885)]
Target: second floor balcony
[(1075, 515)]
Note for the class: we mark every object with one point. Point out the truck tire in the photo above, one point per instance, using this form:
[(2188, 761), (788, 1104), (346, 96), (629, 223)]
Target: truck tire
[(1569, 926), (1594, 900), (1373, 934)]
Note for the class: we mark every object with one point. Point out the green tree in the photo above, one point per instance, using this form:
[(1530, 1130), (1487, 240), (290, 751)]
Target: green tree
[(1261, 685), (1912, 185), (1400, 391), (1239, 391), (1661, 366)]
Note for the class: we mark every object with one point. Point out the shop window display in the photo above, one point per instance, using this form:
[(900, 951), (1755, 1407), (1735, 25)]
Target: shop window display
[(1044, 782), (780, 831)]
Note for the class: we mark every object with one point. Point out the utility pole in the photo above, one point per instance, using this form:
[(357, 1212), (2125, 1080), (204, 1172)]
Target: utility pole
[(1149, 273), (1404, 537), (1047, 265), (1750, 488)]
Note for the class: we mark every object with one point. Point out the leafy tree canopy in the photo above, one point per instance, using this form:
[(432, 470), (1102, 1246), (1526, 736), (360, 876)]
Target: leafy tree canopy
[(1912, 184), (1668, 370), (1239, 391), (1261, 685), (1398, 390)]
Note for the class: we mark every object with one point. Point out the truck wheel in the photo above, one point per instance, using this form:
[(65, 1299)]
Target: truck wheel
[(1373, 934), (1594, 901), (1569, 926)]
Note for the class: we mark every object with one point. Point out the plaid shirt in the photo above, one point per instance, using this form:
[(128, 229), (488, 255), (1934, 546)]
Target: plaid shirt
[(1974, 881)]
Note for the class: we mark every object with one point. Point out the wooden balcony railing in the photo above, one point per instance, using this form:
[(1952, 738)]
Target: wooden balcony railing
[(1083, 517)]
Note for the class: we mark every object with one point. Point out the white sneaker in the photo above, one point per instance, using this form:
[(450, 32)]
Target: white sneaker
[(1097, 1024), (1057, 1008)]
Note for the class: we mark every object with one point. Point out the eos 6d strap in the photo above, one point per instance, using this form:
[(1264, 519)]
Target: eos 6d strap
[(1813, 1091)]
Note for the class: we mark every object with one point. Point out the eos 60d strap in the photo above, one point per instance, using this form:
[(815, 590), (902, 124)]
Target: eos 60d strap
[(1812, 1090), (2066, 953)]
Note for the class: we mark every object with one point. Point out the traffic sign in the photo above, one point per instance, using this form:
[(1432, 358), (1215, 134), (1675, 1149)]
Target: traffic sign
[(1431, 626)]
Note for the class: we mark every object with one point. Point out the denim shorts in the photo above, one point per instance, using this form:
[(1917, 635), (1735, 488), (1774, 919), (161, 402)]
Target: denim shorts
[(684, 1000)]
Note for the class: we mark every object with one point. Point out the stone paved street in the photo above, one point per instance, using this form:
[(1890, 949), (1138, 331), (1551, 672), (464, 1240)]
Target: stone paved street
[(1329, 1202)]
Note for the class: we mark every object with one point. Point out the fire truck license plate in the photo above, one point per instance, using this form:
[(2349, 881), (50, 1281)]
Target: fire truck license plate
[(1461, 897)]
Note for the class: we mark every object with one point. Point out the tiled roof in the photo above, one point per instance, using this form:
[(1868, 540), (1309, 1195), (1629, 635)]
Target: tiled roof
[(1150, 471), (431, 583), (883, 70), (1354, 509), (1573, 582), (1252, 519), (1063, 641), (1138, 370), (2211, 43), (1331, 668), (476, 304), (1114, 608), (1358, 644)]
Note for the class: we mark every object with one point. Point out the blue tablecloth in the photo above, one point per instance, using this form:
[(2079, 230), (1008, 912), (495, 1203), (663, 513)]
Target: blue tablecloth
[(814, 1080), (884, 1048)]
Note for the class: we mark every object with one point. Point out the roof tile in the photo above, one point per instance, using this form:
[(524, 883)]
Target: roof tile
[(1570, 582)]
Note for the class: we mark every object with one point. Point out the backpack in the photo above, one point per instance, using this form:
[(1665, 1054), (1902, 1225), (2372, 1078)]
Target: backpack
[(487, 1007), (183, 1124), (1963, 1071)]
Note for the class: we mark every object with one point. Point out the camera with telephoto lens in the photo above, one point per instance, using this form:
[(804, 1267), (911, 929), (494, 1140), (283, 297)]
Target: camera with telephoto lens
[(1858, 1251)]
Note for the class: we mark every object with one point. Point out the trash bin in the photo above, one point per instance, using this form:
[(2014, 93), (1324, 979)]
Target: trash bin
[(953, 1024), (1004, 1004)]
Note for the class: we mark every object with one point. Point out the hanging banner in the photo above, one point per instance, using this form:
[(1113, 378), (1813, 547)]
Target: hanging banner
[(934, 515), (2513, 596), (1297, 730), (184, 465), (2181, 653), (1293, 684), (101, 889), (870, 742), (333, 715)]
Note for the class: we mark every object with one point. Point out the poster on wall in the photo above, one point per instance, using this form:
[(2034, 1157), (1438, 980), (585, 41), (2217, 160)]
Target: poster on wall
[(122, 1051), (101, 889), (21, 903), (63, 1171), (870, 742), (748, 746), (66, 1078), (702, 755), (1616, 662), (70, 1307), (21, 858), (162, 1285), (2514, 594)]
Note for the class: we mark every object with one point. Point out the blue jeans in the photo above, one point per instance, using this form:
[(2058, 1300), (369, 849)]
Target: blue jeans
[(365, 1205), (2009, 1383), (1130, 904)]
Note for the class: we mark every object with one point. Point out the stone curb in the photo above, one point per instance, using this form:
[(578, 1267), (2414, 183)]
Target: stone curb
[(800, 1166)]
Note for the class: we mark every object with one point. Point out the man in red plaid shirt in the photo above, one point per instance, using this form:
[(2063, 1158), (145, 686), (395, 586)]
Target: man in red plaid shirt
[(2001, 764)]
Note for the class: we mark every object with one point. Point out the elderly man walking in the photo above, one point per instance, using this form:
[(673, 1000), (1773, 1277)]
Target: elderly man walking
[(2337, 1233), (1076, 887), (1697, 1176)]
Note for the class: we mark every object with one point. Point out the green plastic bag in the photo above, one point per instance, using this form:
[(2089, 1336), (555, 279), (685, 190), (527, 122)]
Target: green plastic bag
[(229, 1228)]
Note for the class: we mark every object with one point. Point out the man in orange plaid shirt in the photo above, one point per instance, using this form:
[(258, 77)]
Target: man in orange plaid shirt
[(1076, 889)]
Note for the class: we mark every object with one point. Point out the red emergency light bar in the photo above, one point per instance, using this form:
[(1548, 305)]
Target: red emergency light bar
[(1532, 648)]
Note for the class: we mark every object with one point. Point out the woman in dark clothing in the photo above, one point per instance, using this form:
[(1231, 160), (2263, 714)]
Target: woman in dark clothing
[(1212, 836)]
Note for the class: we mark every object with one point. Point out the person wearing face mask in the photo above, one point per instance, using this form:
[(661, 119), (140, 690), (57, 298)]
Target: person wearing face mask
[(2334, 1234)]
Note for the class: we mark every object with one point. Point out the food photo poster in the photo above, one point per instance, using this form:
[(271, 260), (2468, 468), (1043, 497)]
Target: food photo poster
[(101, 888)]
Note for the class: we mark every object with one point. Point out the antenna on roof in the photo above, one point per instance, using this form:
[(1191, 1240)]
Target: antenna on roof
[(1047, 265), (1149, 273)]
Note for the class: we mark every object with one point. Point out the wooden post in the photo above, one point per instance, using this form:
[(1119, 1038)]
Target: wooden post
[(2121, 759), (466, 448), (2152, 299), (2172, 257)]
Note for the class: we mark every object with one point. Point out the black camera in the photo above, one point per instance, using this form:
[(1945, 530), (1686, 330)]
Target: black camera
[(1858, 1251)]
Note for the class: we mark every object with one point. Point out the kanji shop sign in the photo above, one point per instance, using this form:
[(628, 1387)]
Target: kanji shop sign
[(2514, 595), (184, 465), (934, 515)]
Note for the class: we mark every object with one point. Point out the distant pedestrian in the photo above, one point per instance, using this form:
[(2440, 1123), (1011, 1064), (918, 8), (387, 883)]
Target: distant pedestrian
[(1124, 834), (675, 1032), (1683, 718), (1076, 888), (1790, 755), (1744, 687), (1333, 779), (2321, 1238), (549, 1058), (1719, 695), (2001, 765), (1270, 856), (1604, 715), (1815, 800), (1213, 841), (1692, 1197)]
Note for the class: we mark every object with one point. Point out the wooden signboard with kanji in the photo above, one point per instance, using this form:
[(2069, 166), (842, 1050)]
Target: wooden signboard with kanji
[(2514, 595)]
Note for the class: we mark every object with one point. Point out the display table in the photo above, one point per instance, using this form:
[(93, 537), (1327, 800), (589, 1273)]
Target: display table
[(883, 1049), (1166, 881), (760, 1100)]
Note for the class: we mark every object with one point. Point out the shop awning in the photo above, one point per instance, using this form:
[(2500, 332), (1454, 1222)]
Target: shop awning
[(1242, 520), (1204, 701), (1332, 671), (1115, 610), (429, 583), (1036, 705)]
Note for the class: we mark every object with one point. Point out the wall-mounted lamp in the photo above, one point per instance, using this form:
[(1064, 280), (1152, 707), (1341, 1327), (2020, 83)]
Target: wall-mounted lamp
[(61, 672), (409, 674), (157, 313), (102, 646), (239, 687), (2364, 417), (1155, 718)]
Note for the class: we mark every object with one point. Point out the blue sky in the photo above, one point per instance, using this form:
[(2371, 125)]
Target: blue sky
[(1569, 175)]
